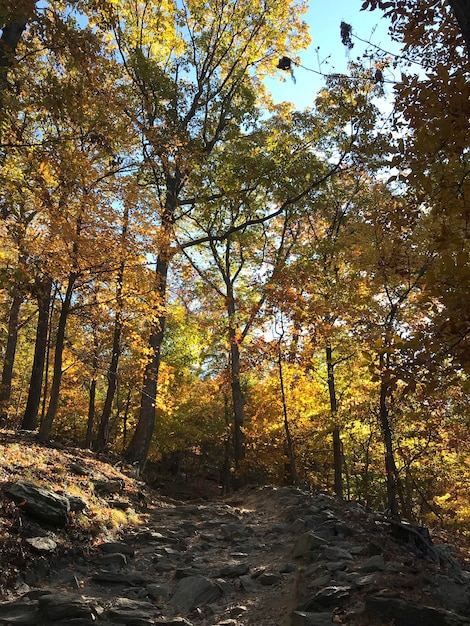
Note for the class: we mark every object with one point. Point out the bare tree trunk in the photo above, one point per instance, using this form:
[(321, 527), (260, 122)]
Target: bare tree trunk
[(337, 456), (46, 424), (92, 398), (390, 466), (139, 446), (237, 395), (30, 417), (10, 351), (289, 442), (103, 430)]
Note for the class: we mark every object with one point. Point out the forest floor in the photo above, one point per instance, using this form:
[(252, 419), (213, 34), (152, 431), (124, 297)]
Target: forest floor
[(263, 556)]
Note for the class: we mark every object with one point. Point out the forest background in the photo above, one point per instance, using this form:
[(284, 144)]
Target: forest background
[(202, 278)]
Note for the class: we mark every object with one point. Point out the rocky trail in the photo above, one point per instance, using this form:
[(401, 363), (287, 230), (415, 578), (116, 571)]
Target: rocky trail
[(264, 556)]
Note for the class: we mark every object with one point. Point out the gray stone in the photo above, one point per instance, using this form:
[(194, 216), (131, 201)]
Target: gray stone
[(194, 592), (298, 526), (18, 612), (104, 576), (114, 558), (108, 486), (173, 621), (403, 613), (132, 612), (453, 595), (247, 583), (303, 618), (373, 564), (155, 591), (40, 503), (332, 553), (287, 568), (337, 566), (76, 504), (55, 606), (235, 529), (269, 578), (42, 544), (234, 569), (113, 547), (329, 596), (320, 581), (306, 543)]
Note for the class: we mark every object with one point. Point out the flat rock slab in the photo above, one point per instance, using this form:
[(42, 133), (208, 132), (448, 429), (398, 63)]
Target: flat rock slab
[(40, 503), (41, 544), (401, 613), (193, 592), (56, 606), (18, 612)]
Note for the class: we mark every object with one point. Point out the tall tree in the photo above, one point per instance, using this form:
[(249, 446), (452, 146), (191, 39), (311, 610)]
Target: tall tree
[(196, 80)]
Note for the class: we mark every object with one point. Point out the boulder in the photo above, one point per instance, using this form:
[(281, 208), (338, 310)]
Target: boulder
[(40, 503)]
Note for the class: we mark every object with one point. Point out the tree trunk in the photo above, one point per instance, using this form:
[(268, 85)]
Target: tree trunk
[(139, 446), (30, 417), (237, 395), (337, 456), (45, 428), (461, 9), (390, 467), (92, 398), (289, 443), (13, 26), (103, 430), (10, 351)]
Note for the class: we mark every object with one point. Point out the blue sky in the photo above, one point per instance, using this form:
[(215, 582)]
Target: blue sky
[(326, 52)]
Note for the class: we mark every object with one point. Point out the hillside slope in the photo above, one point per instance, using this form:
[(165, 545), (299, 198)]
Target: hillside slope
[(264, 556)]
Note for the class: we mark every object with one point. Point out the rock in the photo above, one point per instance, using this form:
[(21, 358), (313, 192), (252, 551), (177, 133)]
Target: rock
[(40, 503), (235, 529), (453, 595), (403, 613), (55, 606), (373, 564), (41, 544), (76, 504), (269, 578), (302, 618), (329, 596), (108, 486), (156, 591), (306, 543), (132, 612), (287, 568), (333, 553), (235, 569), (114, 558), (117, 547), (193, 592), (104, 576), (247, 583), (19, 612), (172, 621), (80, 469)]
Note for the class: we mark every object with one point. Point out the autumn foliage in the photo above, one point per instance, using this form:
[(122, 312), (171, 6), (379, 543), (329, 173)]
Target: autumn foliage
[(199, 278)]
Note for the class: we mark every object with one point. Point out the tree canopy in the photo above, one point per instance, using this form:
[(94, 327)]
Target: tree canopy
[(194, 276)]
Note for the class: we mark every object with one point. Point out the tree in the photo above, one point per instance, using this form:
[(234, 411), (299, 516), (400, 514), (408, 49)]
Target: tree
[(194, 91)]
